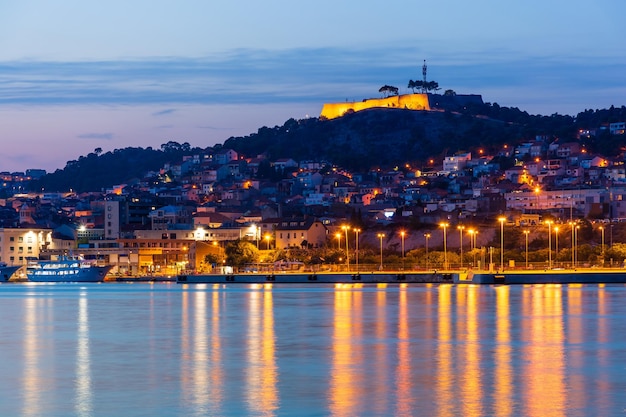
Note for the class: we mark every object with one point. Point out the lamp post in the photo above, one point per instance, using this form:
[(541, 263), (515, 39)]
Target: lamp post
[(427, 236), (345, 229), (472, 234), (445, 248), (526, 232), (402, 234), (576, 245), (573, 244), (556, 245), (549, 222), (502, 220), (338, 236), (356, 252), (381, 236), (461, 228), (267, 241), (602, 232)]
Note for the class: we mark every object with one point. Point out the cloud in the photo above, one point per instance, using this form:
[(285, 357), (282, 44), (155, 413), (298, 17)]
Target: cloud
[(214, 128), (164, 112), (105, 136), (304, 75)]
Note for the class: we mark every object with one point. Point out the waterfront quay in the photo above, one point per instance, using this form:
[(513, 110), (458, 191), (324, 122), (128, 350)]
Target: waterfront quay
[(397, 277), (562, 276)]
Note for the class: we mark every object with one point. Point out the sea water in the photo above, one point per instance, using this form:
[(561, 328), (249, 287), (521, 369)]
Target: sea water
[(139, 349)]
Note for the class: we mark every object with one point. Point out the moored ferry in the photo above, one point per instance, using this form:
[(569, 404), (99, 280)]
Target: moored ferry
[(6, 271), (66, 269)]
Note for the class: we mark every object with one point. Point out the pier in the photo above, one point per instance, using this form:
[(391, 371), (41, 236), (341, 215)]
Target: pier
[(513, 277)]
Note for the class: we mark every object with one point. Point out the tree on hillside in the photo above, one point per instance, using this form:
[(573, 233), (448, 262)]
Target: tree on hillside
[(388, 90), (416, 84), (241, 252), (424, 87), (432, 86)]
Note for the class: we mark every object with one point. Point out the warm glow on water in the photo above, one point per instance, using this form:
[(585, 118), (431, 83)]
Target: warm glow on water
[(311, 350)]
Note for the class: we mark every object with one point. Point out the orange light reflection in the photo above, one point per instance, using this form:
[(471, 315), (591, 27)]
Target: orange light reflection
[(472, 381), (445, 375), (344, 395), (543, 375), (262, 375), (503, 402)]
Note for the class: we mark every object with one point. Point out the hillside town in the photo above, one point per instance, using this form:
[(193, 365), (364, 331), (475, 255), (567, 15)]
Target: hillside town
[(183, 217)]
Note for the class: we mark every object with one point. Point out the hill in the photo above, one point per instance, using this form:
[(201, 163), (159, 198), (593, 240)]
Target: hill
[(97, 171), (389, 137), (358, 141)]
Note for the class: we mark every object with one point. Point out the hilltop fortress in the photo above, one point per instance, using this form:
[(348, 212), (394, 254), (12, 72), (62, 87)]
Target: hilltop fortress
[(421, 102)]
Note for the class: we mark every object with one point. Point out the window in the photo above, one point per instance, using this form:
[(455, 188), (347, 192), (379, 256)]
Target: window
[(12, 249), (20, 239), (12, 239)]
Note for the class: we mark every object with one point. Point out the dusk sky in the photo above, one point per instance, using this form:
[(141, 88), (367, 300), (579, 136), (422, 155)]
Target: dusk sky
[(80, 75)]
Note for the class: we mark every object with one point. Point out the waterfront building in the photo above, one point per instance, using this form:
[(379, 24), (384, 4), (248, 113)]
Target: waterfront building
[(18, 245)]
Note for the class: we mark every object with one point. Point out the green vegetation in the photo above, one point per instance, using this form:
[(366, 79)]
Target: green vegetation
[(240, 253), (359, 141), (97, 171)]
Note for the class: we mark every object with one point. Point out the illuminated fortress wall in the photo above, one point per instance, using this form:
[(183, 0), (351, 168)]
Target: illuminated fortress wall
[(405, 101)]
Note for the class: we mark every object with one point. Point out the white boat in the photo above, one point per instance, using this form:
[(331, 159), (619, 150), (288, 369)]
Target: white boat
[(66, 269), (6, 272)]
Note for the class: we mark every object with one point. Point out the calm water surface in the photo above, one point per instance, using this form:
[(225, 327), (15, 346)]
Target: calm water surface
[(245, 350)]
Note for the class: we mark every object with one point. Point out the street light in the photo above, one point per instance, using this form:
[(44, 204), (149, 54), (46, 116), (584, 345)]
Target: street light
[(602, 231), (345, 229), (549, 222), (461, 228), (445, 248), (556, 244), (427, 236), (338, 236), (573, 244), (502, 220), (472, 234), (267, 240), (576, 245), (526, 232), (356, 252), (402, 234), (381, 236)]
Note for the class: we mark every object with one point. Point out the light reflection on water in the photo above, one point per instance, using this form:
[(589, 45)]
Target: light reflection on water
[(272, 350)]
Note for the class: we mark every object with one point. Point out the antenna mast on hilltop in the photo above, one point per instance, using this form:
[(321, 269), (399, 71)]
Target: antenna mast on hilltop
[(424, 69)]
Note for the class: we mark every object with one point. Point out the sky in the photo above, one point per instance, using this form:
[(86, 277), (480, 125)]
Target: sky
[(78, 75)]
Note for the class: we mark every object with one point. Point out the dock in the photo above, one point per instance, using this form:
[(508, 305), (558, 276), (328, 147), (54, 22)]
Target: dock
[(513, 277)]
